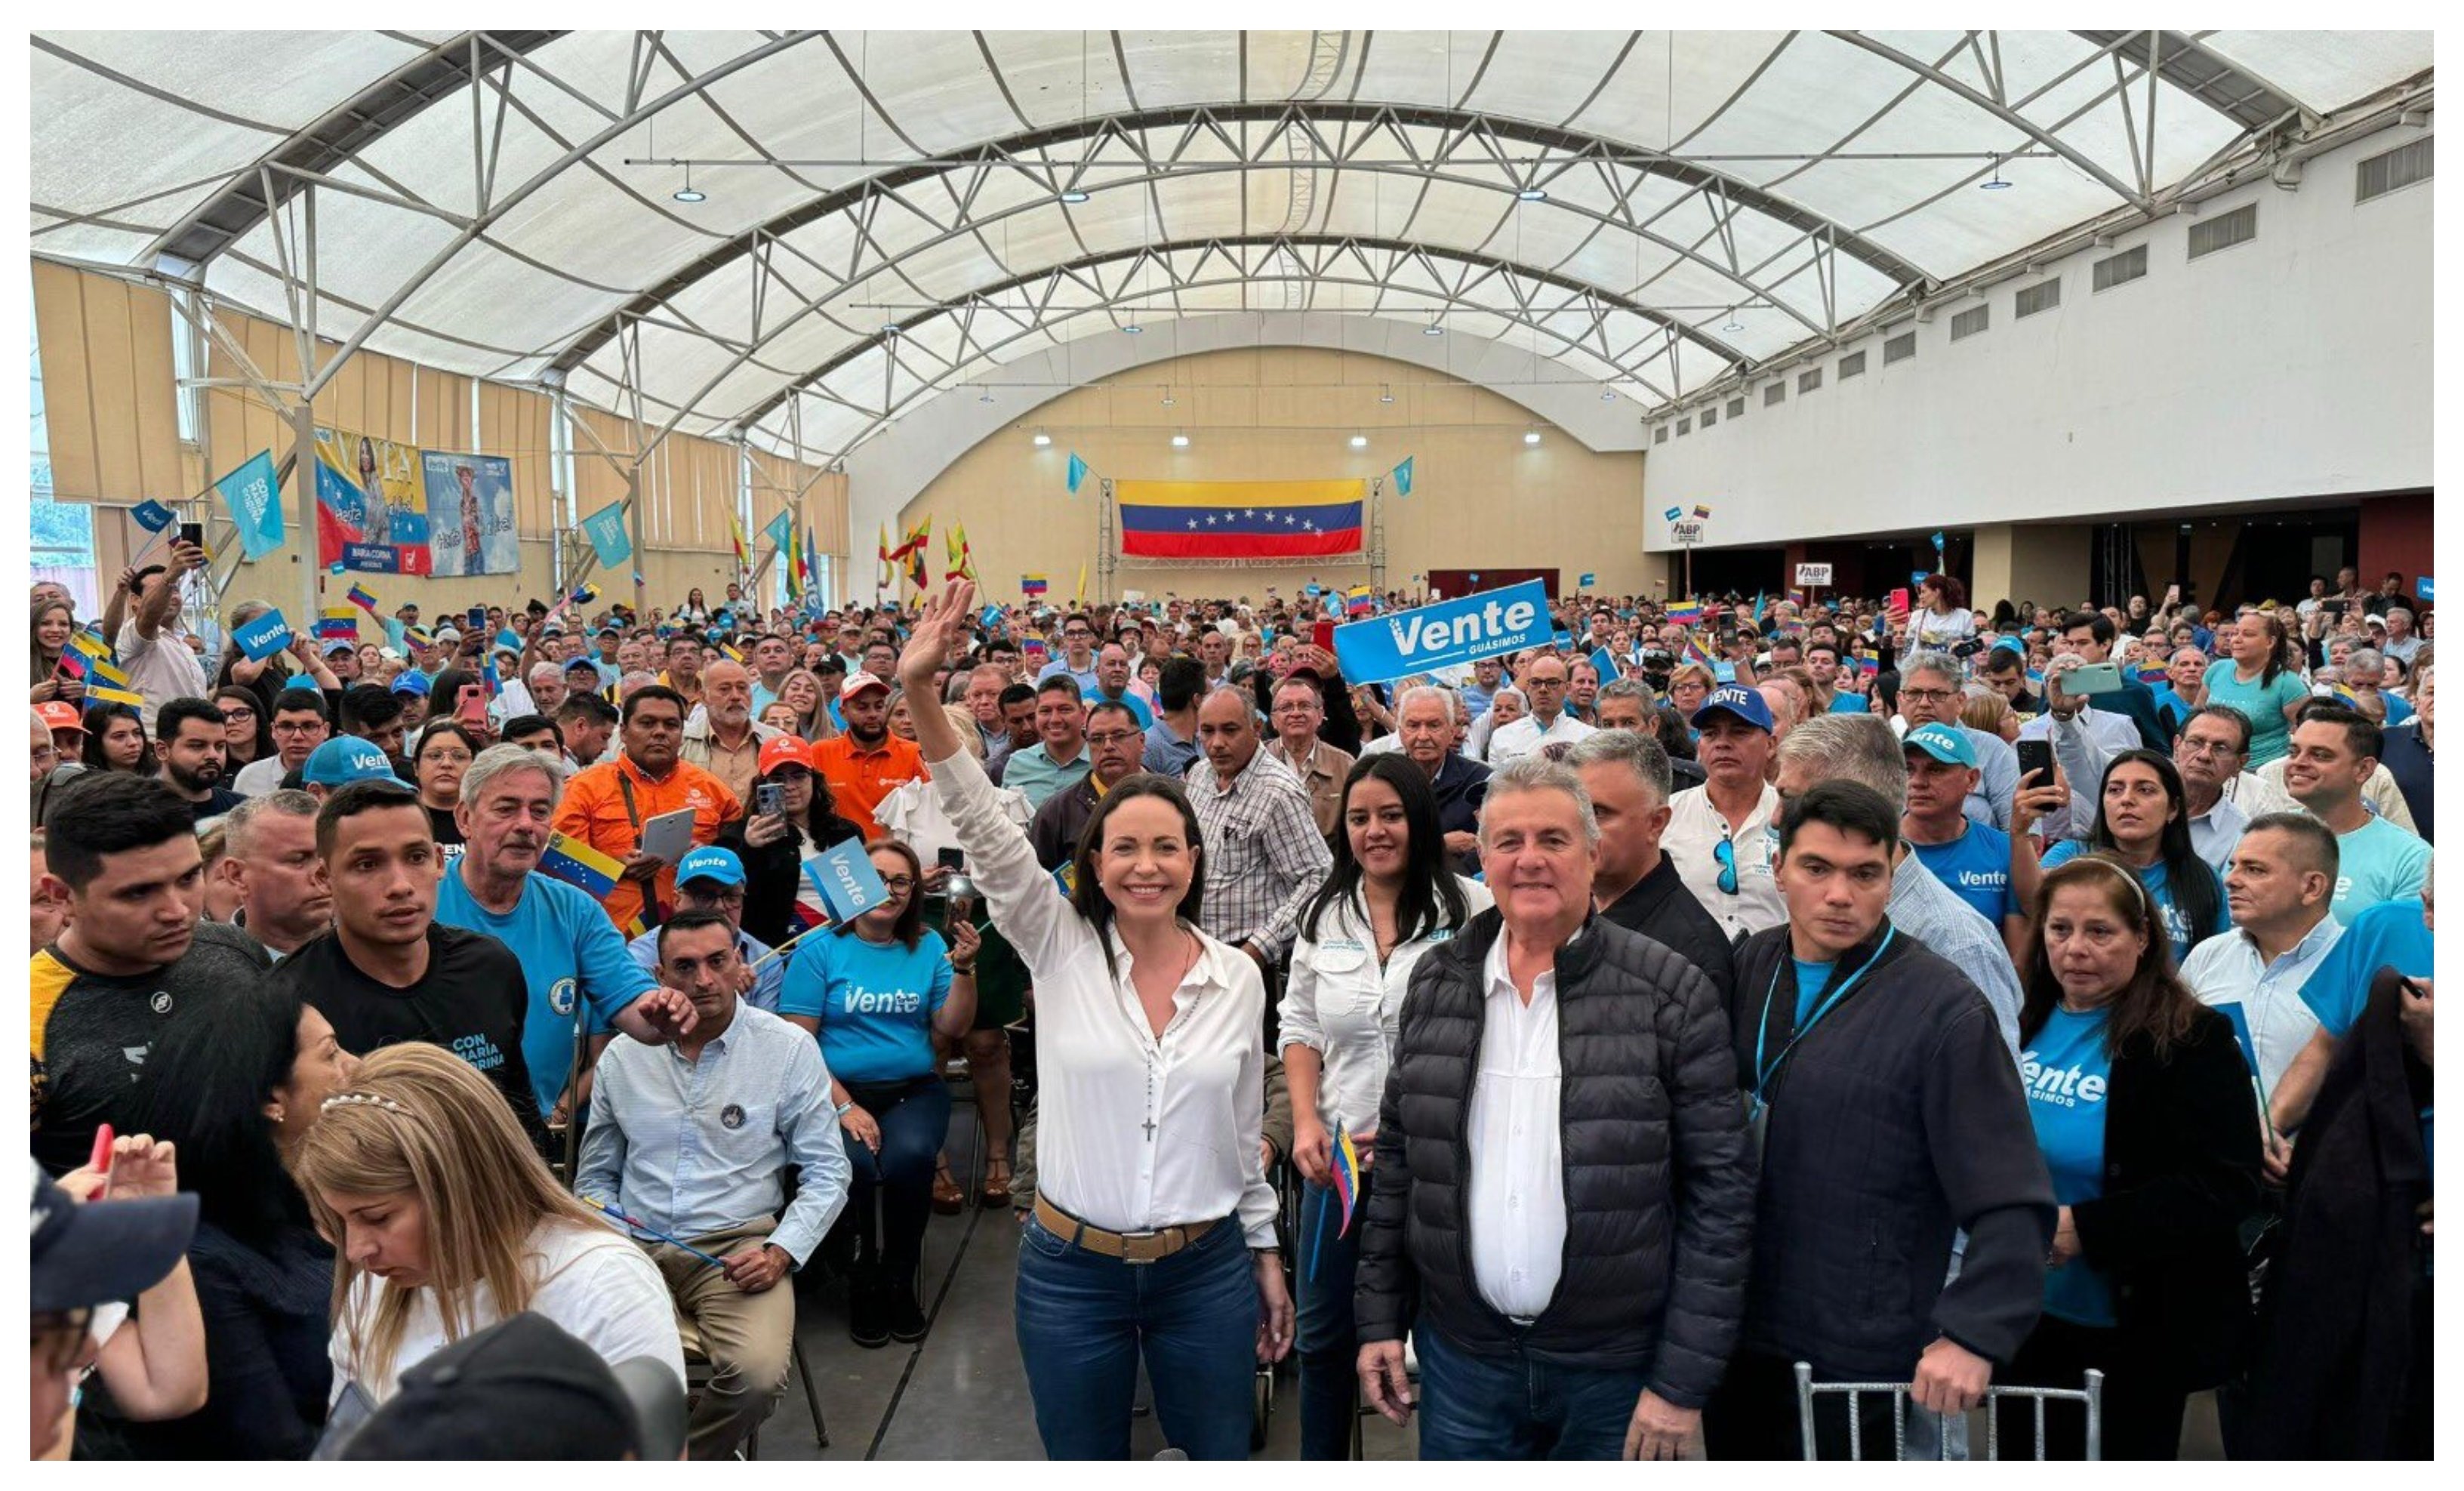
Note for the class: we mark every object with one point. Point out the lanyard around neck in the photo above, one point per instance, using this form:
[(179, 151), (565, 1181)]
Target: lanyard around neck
[(1763, 1074)]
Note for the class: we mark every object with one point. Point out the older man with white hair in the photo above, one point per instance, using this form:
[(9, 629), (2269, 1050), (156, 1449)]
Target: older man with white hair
[(1564, 1184), (1933, 692)]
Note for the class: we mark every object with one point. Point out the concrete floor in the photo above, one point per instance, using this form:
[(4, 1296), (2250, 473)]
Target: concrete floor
[(960, 1393)]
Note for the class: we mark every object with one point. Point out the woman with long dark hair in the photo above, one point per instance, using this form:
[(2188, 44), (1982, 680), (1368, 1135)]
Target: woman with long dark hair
[(116, 741), (1154, 1227), (2143, 1109), (879, 994), (1391, 896), (780, 900), (235, 1083), (247, 727), (2254, 679), (1943, 618), (444, 752), (2143, 820)]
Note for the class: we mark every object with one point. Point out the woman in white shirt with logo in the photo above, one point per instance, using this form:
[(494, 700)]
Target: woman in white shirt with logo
[(1390, 898), (444, 1222), (1154, 1229)]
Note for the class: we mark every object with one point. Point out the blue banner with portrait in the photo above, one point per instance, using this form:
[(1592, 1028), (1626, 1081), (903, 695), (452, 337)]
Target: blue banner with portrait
[(470, 513)]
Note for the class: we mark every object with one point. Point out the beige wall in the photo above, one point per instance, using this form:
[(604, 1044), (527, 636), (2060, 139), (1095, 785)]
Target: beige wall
[(2044, 563), (1480, 497)]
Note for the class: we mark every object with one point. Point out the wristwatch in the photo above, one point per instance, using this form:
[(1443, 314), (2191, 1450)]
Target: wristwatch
[(845, 1107)]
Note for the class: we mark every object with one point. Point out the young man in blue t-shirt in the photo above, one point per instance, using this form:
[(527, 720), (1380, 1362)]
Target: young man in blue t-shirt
[(2333, 753), (1971, 858)]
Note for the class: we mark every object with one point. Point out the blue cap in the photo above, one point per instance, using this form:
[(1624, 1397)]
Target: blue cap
[(412, 680), (1746, 704), (1945, 744), (709, 862), (346, 760)]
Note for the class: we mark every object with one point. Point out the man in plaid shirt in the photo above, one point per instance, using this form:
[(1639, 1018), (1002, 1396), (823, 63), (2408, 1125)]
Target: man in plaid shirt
[(1264, 857)]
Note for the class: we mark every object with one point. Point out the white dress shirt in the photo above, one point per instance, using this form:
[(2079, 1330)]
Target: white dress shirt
[(2263, 999), (1516, 1200), (1342, 1005), (1136, 1133), (1695, 829), (1525, 736)]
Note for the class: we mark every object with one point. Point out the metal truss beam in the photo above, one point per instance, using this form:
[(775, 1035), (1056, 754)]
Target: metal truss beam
[(2181, 59), (1467, 139), (337, 137)]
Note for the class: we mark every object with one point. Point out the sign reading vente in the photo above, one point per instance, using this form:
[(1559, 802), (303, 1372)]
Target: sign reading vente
[(1404, 642)]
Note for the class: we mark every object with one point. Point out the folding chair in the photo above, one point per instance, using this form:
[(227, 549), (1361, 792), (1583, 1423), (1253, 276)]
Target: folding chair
[(2091, 1393)]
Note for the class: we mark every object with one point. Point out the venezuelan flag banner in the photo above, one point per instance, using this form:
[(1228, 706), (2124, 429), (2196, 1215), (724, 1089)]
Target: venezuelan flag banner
[(1034, 584), (1346, 1179), (97, 693), (576, 863), (1690, 614), (1358, 601), (1240, 519)]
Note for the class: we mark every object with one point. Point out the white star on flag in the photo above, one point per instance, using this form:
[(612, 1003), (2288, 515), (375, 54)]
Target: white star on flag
[(1193, 525), (1291, 518), (1210, 519)]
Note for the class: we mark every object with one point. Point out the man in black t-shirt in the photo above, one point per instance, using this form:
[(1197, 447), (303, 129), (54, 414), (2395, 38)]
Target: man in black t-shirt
[(122, 858), (388, 972), (189, 740)]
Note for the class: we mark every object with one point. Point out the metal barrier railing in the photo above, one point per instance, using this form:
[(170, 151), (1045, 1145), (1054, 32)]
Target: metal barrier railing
[(2091, 1394)]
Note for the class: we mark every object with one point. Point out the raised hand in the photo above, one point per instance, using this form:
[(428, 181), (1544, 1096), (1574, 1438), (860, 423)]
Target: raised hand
[(939, 635)]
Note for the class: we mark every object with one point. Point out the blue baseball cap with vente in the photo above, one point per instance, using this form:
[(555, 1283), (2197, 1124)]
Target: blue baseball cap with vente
[(709, 862), (1743, 703), (412, 681), (346, 760), (1943, 743)]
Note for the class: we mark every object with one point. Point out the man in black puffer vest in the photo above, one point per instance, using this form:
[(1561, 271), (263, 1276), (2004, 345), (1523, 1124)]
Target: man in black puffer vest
[(1561, 1204), (1889, 1117)]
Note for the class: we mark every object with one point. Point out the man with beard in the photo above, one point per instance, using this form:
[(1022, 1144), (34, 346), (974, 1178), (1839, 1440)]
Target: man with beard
[(122, 859), (190, 742), (570, 954), (589, 723), (865, 764), (270, 857), (722, 738), (606, 806)]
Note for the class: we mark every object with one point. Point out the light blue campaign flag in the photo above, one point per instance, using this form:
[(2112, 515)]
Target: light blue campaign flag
[(2424, 589), (1077, 472), (1588, 580), (605, 531), (1604, 662), (263, 637), (1916, 577), (152, 517), (254, 499), (778, 529), (1429, 637), (847, 881), (1403, 478), (1936, 541)]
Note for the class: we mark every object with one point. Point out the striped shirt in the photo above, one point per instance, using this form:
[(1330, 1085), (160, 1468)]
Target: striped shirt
[(1264, 857)]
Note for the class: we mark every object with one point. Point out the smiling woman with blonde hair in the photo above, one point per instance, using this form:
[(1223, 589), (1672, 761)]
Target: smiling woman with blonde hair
[(444, 1223)]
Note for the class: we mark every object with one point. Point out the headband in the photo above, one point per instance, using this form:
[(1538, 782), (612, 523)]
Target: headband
[(364, 1099)]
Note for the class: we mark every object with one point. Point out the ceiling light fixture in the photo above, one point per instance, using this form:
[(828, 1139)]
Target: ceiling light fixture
[(1385, 393), (1360, 442), (1997, 183), (1531, 194), (1073, 196), (1133, 329), (1532, 437), (1433, 329), (1608, 396), (1180, 441), (1041, 439), (986, 397), (686, 193), (1732, 324), (890, 330)]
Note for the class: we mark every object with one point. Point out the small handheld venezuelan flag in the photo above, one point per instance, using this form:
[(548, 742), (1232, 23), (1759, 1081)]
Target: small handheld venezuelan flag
[(1346, 1179)]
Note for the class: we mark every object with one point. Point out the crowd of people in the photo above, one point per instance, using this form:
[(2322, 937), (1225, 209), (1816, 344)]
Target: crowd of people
[(1962, 997)]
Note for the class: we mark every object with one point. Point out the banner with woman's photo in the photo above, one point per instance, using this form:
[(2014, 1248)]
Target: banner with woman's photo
[(370, 513), (471, 514)]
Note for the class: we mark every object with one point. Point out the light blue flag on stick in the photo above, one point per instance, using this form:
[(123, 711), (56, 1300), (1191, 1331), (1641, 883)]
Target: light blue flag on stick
[(608, 540), (255, 503), (1077, 472), (1403, 478)]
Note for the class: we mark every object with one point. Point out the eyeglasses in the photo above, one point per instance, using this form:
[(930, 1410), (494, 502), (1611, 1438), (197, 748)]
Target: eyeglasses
[(1113, 737), (46, 755), (235, 716), (299, 727), (897, 884), (1929, 695), (1726, 853)]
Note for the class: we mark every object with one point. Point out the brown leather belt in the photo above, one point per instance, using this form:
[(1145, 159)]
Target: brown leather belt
[(1129, 1247)]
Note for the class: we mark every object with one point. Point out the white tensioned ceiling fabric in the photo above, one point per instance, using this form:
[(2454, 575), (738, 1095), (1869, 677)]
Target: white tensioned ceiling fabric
[(888, 216)]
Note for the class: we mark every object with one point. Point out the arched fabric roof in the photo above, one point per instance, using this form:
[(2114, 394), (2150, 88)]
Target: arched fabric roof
[(888, 216)]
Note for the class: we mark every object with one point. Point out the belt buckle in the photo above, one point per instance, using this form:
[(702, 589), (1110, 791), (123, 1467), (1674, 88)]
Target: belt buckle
[(1128, 1238)]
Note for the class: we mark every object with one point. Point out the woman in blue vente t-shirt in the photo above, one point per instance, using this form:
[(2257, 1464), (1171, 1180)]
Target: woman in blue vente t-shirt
[(2145, 1117), (878, 993), (2142, 822)]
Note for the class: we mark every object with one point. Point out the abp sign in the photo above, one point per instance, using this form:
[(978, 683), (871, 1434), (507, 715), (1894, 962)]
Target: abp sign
[(1439, 635), (1687, 531)]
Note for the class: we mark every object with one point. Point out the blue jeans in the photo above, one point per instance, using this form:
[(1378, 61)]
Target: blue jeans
[(1328, 1347), (1509, 1406), (1083, 1320), (915, 1119)]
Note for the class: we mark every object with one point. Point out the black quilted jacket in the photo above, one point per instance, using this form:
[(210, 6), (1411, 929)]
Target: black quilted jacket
[(1658, 1177)]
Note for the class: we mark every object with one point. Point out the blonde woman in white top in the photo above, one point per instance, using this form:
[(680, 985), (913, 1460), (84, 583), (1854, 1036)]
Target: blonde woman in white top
[(1153, 1224), (1390, 898), (444, 1222)]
